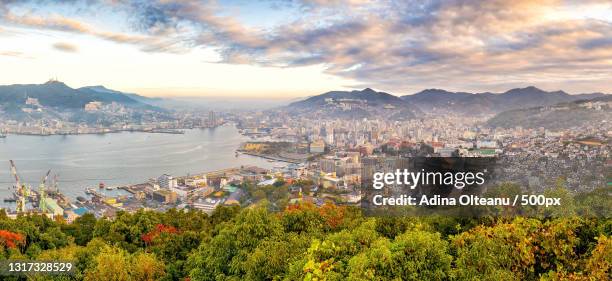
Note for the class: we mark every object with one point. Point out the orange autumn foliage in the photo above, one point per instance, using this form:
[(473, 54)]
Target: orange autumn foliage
[(332, 214), (159, 229), (11, 239)]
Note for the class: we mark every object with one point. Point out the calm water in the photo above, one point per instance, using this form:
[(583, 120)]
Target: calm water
[(116, 159)]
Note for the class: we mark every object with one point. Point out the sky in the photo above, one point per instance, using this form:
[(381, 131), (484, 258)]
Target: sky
[(291, 48)]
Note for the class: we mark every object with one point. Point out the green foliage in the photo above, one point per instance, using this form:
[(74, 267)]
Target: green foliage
[(329, 259), (504, 251), (597, 203), (329, 242), (569, 207), (114, 263), (276, 193), (81, 229), (227, 252), (414, 255)]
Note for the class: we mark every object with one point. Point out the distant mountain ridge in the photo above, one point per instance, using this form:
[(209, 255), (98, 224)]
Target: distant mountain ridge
[(439, 101), (135, 97), (373, 98), (355, 104), (435, 101), (56, 94), (580, 113)]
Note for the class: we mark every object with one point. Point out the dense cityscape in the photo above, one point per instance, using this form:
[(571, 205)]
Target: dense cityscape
[(328, 159)]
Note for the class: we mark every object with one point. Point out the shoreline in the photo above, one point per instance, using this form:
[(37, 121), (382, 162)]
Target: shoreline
[(206, 150), (178, 131), (270, 157)]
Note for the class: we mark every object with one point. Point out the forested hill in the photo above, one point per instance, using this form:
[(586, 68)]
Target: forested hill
[(56, 94), (305, 242), (366, 103), (441, 101), (581, 114)]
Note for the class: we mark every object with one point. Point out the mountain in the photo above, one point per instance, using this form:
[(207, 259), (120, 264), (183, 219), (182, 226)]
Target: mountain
[(52, 94), (354, 105), (101, 93), (441, 101), (565, 115), (532, 96), (143, 99), (373, 98), (431, 99), (56, 94), (104, 94)]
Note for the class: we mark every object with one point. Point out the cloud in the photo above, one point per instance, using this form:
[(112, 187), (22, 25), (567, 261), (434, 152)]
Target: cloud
[(65, 47), (399, 46), (11, 53), (60, 23), (14, 54), (457, 44), (596, 43)]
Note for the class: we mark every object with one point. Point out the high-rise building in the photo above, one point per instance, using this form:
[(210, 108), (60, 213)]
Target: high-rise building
[(212, 119), (166, 181)]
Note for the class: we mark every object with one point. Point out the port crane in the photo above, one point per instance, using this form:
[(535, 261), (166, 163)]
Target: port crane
[(21, 192), (55, 187), (42, 193), (47, 193)]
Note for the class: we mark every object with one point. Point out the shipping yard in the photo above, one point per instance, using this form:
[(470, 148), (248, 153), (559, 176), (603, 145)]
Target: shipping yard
[(203, 192), (46, 200)]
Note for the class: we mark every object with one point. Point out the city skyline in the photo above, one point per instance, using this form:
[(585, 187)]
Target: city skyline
[(290, 49)]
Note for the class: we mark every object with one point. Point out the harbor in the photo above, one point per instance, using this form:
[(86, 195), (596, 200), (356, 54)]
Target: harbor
[(47, 199), (121, 159), (203, 191)]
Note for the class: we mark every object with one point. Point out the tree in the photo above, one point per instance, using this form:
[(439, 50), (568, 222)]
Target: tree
[(82, 229), (504, 190), (567, 207), (597, 203), (226, 253), (596, 267), (328, 259), (10, 239), (599, 265), (556, 244), (414, 255), (505, 251), (271, 259), (301, 218), (146, 267), (111, 263), (53, 238)]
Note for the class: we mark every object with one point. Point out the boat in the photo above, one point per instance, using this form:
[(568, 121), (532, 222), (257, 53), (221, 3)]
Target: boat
[(101, 185)]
